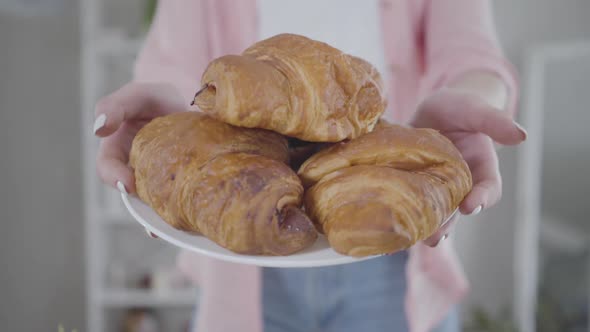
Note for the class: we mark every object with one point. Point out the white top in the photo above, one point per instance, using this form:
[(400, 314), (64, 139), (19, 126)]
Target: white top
[(349, 25)]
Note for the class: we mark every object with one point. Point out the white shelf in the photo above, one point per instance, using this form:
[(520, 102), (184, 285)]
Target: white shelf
[(532, 226), (125, 298)]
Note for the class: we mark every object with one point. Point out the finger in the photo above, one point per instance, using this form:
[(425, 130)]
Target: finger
[(150, 234), (135, 101), (460, 112), (478, 199), (487, 182), (113, 157), (442, 232), (112, 171), (494, 123)]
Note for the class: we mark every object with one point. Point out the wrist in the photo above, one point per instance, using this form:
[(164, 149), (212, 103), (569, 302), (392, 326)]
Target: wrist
[(486, 85)]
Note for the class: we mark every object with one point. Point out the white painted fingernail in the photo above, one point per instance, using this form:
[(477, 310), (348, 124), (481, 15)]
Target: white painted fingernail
[(150, 234), (523, 131), (444, 237), (122, 188), (99, 122), (475, 211)]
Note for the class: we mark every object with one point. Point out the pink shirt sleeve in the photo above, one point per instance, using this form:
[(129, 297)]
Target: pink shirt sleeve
[(186, 35), (459, 36)]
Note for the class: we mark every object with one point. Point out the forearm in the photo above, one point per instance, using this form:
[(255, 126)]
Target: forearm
[(187, 34), (152, 67), (486, 85), (462, 51)]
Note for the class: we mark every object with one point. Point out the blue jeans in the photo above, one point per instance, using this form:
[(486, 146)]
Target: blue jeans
[(366, 296)]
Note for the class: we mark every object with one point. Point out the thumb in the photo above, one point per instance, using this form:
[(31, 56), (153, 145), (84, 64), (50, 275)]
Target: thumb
[(135, 101), (451, 112), (492, 122)]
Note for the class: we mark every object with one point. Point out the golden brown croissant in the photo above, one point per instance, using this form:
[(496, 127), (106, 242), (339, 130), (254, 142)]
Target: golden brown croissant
[(384, 191), (230, 184), (295, 86)]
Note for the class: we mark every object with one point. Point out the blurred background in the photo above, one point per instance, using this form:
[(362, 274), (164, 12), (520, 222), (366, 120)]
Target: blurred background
[(71, 256)]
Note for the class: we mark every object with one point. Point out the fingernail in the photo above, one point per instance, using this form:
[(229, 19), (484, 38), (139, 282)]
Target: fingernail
[(150, 234), (444, 237), (122, 188), (523, 132), (99, 122), (475, 211)]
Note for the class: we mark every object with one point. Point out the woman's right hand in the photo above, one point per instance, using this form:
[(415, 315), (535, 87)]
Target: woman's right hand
[(118, 118)]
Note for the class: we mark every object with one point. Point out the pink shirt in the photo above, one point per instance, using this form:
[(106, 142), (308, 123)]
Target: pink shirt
[(427, 43)]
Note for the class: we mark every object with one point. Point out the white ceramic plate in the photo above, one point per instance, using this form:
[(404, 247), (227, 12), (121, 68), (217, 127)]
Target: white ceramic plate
[(319, 254)]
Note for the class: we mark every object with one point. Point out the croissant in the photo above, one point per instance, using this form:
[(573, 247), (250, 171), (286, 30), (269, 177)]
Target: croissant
[(294, 86), (384, 191), (230, 184)]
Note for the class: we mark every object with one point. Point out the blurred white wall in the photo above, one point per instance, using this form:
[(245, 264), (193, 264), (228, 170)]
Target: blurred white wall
[(41, 248), (41, 278)]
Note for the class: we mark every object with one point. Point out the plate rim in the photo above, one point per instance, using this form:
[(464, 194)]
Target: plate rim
[(261, 261)]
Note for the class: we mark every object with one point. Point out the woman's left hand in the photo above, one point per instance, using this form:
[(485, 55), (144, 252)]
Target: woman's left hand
[(473, 126)]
